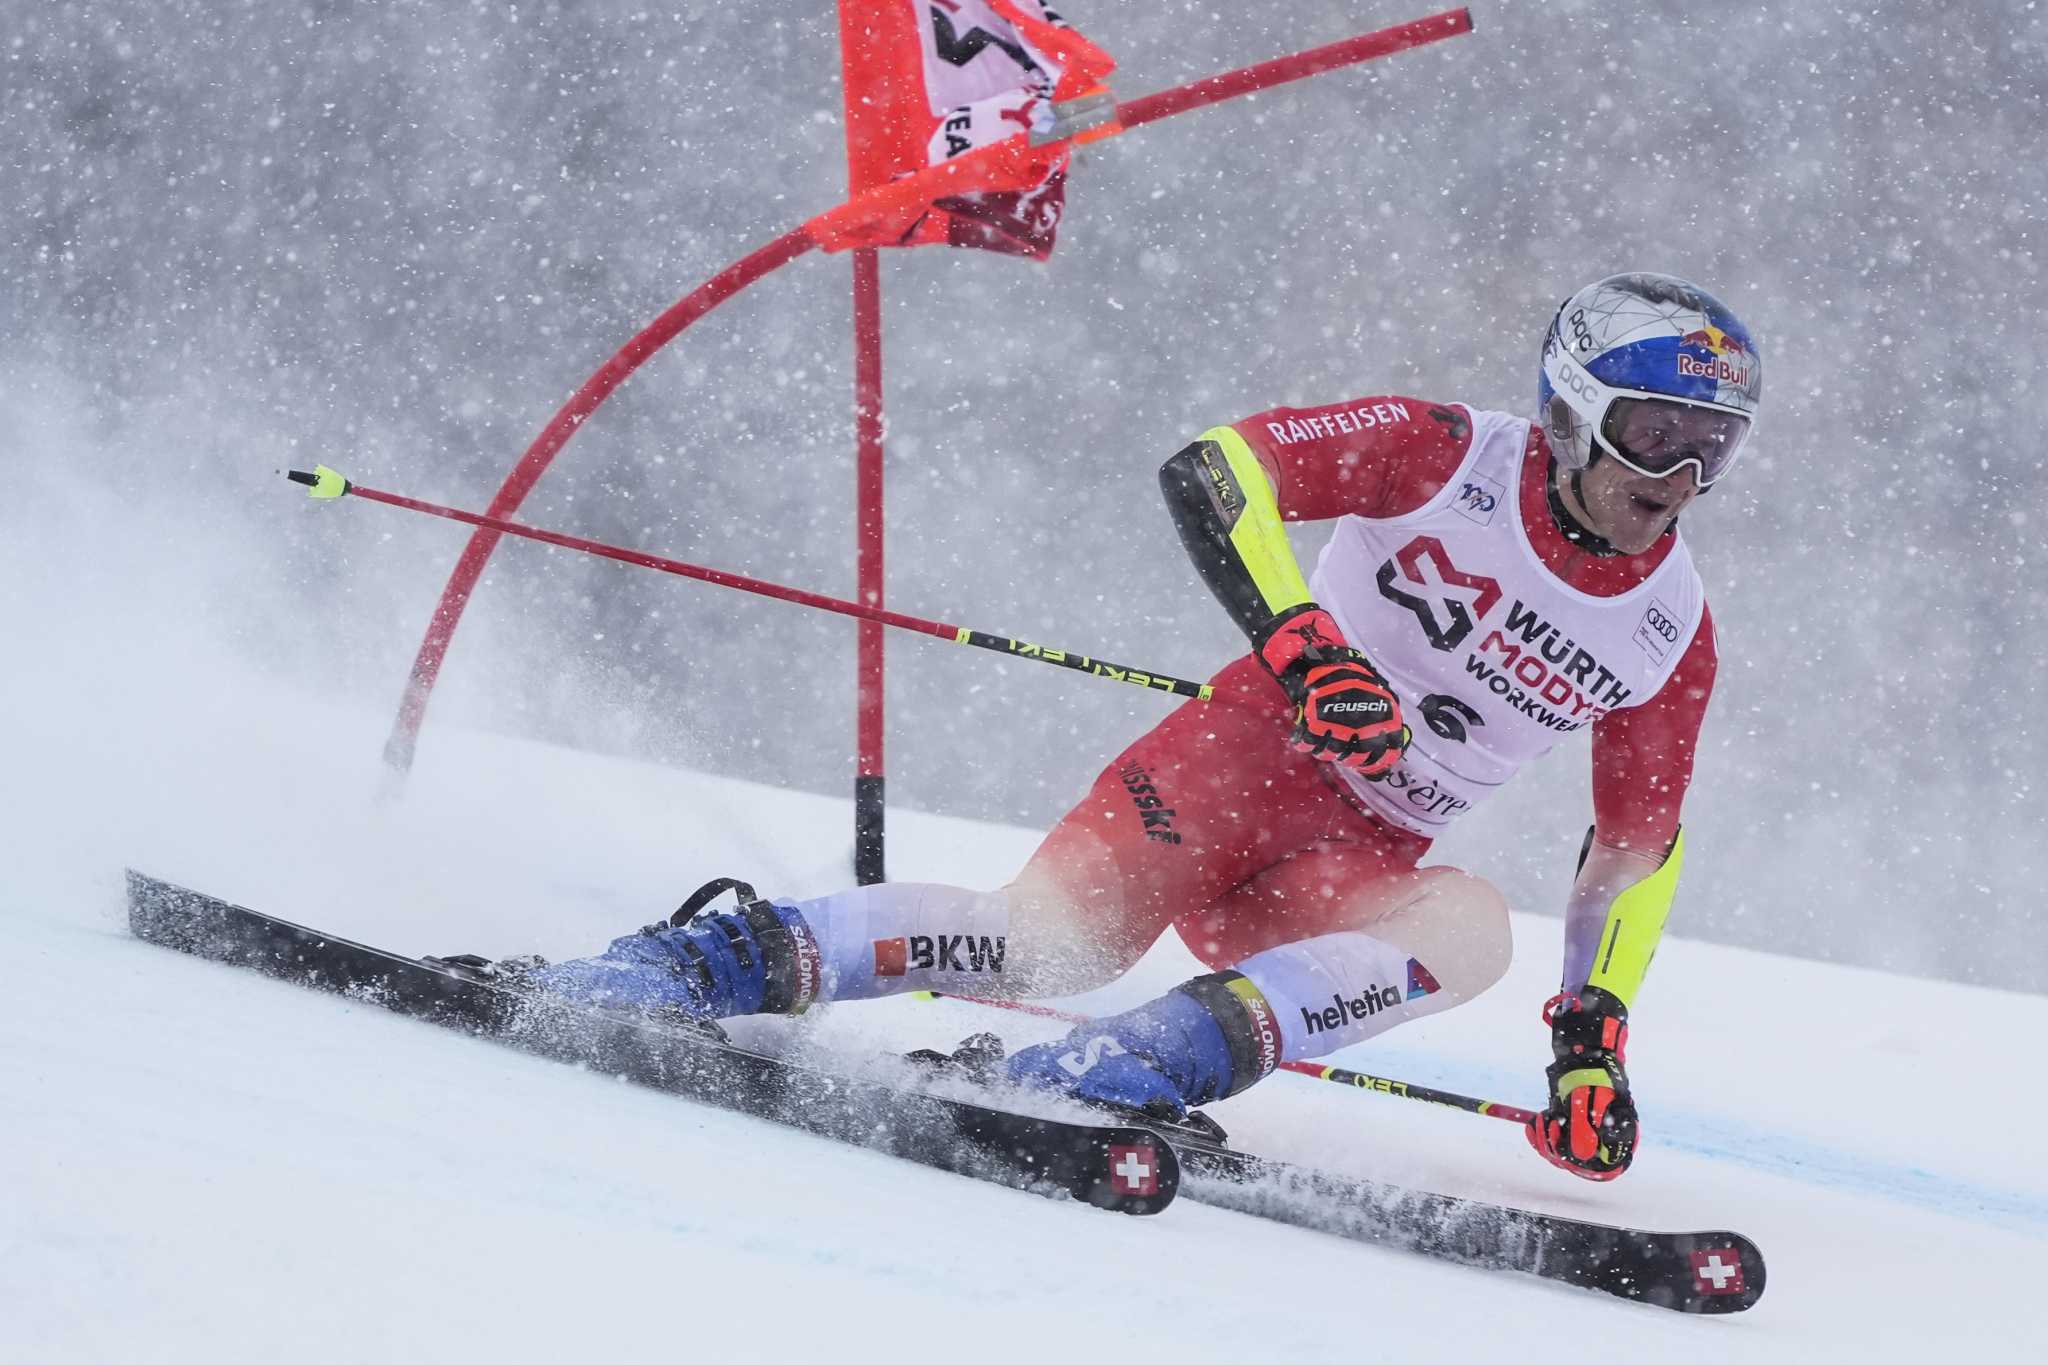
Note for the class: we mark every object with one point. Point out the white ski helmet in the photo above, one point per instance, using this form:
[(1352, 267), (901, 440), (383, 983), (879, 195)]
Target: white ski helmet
[(1650, 370)]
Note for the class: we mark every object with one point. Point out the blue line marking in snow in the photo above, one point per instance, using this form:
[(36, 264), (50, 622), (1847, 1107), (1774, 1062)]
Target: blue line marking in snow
[(1775, 1153), (1814, 1163)]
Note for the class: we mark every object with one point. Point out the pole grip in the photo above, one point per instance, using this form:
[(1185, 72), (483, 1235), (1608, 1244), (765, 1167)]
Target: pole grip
[(1082, 663)]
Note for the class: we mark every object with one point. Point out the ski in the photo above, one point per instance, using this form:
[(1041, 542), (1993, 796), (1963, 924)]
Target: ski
[(1131, 1168), (1125, 1168), (1688, 1272)]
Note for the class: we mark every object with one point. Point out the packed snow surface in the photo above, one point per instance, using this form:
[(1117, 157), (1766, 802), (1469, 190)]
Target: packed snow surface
[(204, 1165)]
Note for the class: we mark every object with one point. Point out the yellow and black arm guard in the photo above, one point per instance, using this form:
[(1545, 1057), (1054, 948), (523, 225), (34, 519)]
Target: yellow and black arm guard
[(1224, 506), (1616, 916)]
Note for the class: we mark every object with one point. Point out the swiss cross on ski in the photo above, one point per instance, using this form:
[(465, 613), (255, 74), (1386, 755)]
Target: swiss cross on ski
[(1718, 1271), (1134, 1170)]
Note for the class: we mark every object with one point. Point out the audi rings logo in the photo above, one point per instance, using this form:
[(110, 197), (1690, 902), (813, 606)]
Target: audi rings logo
[(1659, 631), (1447, 601)]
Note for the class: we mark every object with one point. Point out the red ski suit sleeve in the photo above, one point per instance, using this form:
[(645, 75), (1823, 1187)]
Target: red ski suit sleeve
[(1643, 756), (1371, 457)]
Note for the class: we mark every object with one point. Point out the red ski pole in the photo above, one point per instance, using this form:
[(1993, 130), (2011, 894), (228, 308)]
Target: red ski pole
[(1382, 1085), (326, 483)]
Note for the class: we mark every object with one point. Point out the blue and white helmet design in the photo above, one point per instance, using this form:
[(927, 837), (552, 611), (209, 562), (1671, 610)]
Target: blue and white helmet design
[(1642, 336)]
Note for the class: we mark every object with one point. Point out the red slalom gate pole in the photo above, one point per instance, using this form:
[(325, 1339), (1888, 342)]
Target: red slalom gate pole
[(868, 781), (426, 665), (326, 483), (827, 230), (1281, 70), (1381, 1085)]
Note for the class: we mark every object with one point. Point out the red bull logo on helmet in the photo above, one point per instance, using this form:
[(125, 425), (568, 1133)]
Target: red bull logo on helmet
[(1713, 339), (1727, 360)]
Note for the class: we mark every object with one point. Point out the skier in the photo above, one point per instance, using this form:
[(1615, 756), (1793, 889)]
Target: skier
[(1492, 586)]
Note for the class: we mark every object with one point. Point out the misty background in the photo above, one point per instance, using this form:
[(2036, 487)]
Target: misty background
[(393, 237)]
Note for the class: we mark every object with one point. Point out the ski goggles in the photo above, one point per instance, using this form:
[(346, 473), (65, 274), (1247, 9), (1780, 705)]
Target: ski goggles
[(1660, 436)]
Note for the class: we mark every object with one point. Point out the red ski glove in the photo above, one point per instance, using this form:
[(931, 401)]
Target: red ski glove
[(1590, 1128), (1344, 712)]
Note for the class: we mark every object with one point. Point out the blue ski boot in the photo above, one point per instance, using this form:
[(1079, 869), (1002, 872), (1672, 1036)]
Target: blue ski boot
[(1204, 1040), (759, 959)]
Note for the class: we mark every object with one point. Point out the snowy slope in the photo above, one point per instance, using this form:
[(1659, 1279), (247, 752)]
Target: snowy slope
[(197, 1164)]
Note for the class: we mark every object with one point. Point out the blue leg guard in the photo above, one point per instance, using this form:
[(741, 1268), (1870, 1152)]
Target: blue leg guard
[(761, 960), (1201, 1041)]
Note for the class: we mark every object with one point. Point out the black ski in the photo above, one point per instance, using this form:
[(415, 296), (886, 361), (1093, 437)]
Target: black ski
[(1122, 1167), (1689, 1272)]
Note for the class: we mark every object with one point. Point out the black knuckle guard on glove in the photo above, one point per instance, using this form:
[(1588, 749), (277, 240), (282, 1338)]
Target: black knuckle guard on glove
[(1589, 1127)]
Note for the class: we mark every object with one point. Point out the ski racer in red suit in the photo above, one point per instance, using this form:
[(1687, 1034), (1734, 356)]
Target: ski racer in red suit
[(1492, 586)]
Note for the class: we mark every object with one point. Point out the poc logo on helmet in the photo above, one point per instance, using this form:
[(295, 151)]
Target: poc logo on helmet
[(1570, 376)]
